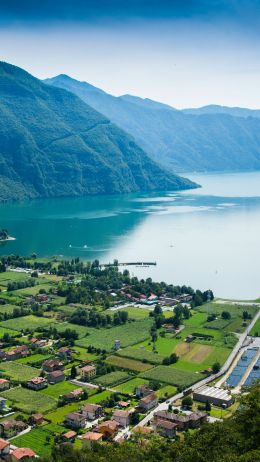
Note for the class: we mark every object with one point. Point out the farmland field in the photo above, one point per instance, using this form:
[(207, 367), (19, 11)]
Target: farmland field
[(26, 322), (32, 291), (126, 363), (218, 324), (12, 276), (18, 372), (7, 309), (128, 334), (166, 392), (172, 376), (113, 378), (36, 358), (256, 329), (36, 440), (134, 312), (193, 352), (29, 400), (4, 330), (141, 354), (129, 387)]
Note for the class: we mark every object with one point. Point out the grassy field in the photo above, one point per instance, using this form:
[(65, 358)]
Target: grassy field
[(172, 376), (166, 392), (126, 363), (30, 401), (4, 330), (134, 312), (128, 334), (141, 354), (32, 291), (113, 378), (37, 358), (18, 372), (11, 276), (26, 322), (256, 329), (59, 389), (129, 387)]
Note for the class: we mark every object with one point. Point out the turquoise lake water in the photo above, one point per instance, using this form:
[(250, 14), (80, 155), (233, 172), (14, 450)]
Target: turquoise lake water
[(206, 238)]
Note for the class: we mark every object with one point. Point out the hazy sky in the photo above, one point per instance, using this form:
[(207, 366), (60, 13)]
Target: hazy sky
[(181, 52)]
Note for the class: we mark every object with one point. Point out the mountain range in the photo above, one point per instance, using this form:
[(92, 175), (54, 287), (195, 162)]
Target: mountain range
[(54, 144), (211, 138)]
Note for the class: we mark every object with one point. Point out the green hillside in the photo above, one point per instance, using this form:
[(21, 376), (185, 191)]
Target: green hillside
[(214, 138), (53, 144)]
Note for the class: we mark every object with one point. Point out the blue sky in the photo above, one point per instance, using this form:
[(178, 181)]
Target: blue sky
[(184, 53)]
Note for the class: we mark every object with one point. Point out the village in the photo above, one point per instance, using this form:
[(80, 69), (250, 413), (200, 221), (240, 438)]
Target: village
[(121, 359)]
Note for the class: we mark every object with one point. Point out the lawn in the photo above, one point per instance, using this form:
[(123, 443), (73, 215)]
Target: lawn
[(128, 388), (126, 363), (59, 389), (172, 376), (128, 334), (141, 354), (26, 322), (113, 378), (18, 372), (30, 401)]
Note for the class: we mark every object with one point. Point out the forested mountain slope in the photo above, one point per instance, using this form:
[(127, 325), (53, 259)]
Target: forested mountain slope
[(54, 144), (210, 139)]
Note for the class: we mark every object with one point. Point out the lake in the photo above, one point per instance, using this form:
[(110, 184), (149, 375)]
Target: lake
[(206, 238)]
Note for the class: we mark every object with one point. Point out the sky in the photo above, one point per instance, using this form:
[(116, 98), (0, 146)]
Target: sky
[(186, 53)]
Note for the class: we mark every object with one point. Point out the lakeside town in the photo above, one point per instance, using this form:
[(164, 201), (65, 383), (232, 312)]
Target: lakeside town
[(90, 354)]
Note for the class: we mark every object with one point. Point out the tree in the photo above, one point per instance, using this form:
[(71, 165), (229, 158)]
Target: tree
[(73, 372), (187, 401), (207, 406), (216, 367), (225, 315)]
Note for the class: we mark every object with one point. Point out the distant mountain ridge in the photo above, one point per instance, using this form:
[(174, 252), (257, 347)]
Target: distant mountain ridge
[(54, 144), (212, 138)]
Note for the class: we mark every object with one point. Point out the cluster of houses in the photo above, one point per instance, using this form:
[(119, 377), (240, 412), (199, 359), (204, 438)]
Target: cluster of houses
[(14, 455), (153, 299), (167, 423)]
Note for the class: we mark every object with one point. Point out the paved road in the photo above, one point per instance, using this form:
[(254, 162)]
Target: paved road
[(224, 369), (90, 385)]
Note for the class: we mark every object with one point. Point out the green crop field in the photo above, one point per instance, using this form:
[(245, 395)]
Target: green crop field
[(59, 389), (126, 363), (4, 330), (113, 378), (256, 329), (30, 401), (128, 334), (141, 354), (172, 376), (26, 322), (128, 388), (36, 440), (218, 324), (7, 309), (33, 359), (18, 372)]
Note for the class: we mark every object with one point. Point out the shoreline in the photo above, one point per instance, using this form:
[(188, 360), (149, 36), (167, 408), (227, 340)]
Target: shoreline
[(10, 238)]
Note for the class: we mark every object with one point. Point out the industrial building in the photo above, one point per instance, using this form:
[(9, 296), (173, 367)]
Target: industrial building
[(213, 395)]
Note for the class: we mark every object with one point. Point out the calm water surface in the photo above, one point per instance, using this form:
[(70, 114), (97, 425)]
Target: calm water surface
[(207, 238)]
